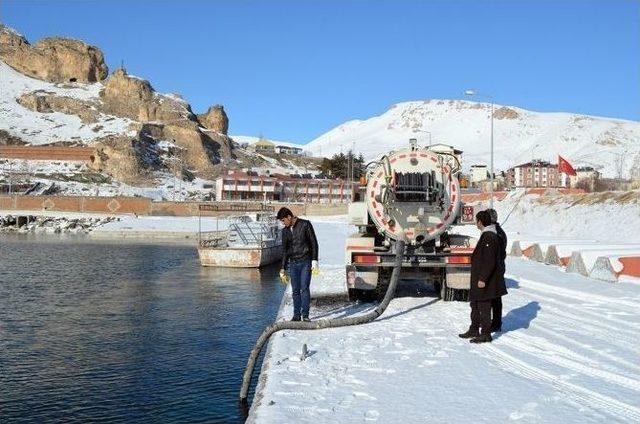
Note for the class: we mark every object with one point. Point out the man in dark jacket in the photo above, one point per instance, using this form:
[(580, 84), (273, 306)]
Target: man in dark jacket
[(496, 304), (487, 280), (300, 257)]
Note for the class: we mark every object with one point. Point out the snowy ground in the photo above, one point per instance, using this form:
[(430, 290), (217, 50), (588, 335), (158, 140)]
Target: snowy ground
[(608, 221), (189, 224), (568, 353), (74, 178)]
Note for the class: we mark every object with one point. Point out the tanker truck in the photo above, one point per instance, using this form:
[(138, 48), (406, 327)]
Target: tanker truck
[(412, 194)]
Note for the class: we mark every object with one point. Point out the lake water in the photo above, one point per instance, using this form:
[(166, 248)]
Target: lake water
[(124, 332)]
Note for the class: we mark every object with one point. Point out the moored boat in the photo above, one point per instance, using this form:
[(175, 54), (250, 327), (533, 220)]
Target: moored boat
[(246, 243)]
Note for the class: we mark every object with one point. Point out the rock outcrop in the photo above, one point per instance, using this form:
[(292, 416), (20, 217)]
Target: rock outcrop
[(117, 156), (215, 119), (52, 59), (505, 113), (7, 139), (199, 143), (134, 98), (167, 117), (47, 102), (198, 151)]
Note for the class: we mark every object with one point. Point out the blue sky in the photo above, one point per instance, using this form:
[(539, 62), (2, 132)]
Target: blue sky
[(292, 70)]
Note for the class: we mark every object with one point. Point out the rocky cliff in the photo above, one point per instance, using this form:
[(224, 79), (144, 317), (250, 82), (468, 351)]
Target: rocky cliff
[(52, 59), (127, 118), (215, 119)]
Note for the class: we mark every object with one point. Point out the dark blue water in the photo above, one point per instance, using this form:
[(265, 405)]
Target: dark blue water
[(124, 333)]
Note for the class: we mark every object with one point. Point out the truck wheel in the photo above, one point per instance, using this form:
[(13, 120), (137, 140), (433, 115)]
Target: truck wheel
[(361, 295), (437, 286), (446, 293)]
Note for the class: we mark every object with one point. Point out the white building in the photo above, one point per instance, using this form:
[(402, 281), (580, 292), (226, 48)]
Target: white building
[(445, 148), (288, 150), (479, 173), (586, 176)]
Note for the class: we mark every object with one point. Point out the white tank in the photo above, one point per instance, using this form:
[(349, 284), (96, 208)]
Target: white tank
[(414, 194)]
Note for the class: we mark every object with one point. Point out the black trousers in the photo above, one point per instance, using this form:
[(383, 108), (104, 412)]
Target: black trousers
[(496, 312), (481, 316)]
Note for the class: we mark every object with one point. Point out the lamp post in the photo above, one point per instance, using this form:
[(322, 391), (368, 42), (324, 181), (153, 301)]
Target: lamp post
[(490, 98)]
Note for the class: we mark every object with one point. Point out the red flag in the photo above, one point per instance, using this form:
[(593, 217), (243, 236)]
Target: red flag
[(564, 166)]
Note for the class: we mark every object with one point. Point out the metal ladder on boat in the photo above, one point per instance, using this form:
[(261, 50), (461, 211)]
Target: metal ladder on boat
[(244, 232)]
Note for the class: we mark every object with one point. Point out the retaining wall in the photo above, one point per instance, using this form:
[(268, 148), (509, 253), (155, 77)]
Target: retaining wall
[(83, 154), (145, 206)]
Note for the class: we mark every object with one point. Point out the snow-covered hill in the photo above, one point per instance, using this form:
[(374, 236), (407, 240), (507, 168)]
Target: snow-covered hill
[(43, 128), (519, 135)]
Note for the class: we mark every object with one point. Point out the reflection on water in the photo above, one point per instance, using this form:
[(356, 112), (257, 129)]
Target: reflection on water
[(124, 332)]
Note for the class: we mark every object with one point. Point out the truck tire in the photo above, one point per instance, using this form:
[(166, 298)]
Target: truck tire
[(446, 293), (356, 295)]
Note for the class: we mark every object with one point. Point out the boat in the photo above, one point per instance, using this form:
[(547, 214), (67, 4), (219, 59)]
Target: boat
[(247, 242)]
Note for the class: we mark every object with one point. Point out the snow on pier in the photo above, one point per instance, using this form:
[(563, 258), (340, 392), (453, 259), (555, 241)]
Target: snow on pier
[(567, 353)]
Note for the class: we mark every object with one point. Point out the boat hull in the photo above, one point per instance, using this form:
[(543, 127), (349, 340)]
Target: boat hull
[(239, 257)]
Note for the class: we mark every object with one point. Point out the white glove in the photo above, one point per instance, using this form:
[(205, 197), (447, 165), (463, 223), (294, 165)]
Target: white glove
[(315, 269)]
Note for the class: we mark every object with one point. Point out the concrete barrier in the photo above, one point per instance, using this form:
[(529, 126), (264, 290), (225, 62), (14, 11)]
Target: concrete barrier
[(583, 261), (560, 254), (577, 264), (526, 248), (515, 250), (614, 267), (536, 249), (523, 248)]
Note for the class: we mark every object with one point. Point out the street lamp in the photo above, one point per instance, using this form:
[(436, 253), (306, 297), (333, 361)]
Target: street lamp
[(490, 98)]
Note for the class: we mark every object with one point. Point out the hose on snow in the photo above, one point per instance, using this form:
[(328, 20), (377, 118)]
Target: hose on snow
[(324, 323)]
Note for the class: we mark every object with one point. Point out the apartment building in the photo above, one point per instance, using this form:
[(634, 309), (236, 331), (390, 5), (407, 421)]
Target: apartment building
[(277, 187), (537, 173)]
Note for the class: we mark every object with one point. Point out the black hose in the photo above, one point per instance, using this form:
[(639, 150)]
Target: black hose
[(324, 323)]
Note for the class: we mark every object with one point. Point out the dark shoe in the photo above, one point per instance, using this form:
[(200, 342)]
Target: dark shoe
[(496, 328), (469, 334), (295, 318), (306, 319), (481, 339)]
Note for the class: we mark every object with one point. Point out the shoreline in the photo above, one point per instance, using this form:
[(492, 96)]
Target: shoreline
[(324, 289), (100, 226)]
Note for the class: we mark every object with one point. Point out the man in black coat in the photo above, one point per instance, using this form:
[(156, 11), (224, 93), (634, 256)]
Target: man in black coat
[(487, 280), (496, 304), (300, 258)]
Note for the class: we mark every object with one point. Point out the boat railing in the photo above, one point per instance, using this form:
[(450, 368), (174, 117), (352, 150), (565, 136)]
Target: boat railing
[(246, 232), (214, 238)]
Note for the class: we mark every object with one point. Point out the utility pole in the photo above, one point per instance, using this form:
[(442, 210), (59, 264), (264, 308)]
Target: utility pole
[(475, 93), (353, 160), (10, 176)]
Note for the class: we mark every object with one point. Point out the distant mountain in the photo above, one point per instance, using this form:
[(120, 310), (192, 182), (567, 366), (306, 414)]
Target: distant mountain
[(519, 135)]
